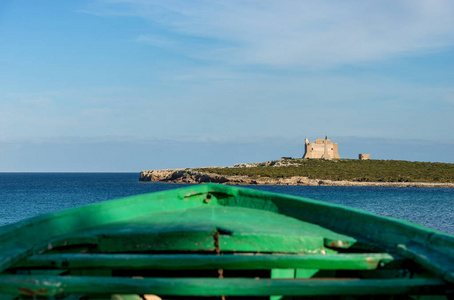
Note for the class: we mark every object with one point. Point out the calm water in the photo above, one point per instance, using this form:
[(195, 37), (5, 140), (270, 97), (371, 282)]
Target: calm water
[(23, 195)]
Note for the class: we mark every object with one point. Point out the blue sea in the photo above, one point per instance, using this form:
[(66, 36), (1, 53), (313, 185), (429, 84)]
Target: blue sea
[(24, 195)]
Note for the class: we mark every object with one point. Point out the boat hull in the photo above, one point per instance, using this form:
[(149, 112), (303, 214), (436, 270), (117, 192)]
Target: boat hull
[(214, 240)]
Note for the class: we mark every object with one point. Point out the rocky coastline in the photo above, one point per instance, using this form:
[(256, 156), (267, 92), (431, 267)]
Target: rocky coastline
[(195, 177)]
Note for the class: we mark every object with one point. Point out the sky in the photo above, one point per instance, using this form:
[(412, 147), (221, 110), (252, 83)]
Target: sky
[(130, 85)]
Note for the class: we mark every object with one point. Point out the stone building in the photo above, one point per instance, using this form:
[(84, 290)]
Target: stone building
[(321, 149), (363, 156)]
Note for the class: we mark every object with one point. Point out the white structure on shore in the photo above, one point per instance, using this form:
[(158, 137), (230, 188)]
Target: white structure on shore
[(321, 149)]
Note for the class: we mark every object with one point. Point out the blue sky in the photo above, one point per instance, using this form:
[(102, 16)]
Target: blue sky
[(126, 85)]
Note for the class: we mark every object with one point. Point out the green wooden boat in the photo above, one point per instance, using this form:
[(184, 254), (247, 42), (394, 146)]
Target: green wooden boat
[(222, 242)]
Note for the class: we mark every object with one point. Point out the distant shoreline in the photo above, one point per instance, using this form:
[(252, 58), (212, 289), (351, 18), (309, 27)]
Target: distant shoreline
[(193, 176)]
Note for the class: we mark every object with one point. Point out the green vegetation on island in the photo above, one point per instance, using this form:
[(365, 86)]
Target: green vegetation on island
[(346, 169)]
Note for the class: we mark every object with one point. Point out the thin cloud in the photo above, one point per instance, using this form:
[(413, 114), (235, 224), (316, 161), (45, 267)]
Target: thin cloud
[(292, 33), (156, 40), (30, 99)]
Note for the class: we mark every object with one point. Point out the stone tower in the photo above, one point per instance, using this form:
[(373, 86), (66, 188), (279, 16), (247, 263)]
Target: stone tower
[(321, 149)]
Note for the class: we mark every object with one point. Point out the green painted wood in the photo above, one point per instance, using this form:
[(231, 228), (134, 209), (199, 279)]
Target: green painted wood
[(442, 242), (258, 231), (281, 274), (272, 243), (430, 259), (205, 261), (9, 257), (308, 273), (47, 285), (290, 273), (69, 241), (35, 233), (304, 209), (41, 272), (384, 231), (234, 213), (194, 229), (165, 241)]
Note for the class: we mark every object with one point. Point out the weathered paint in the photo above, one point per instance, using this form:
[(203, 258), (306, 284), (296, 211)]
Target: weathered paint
[(352, 261), (218, 220), (218, 287), (194, 229)]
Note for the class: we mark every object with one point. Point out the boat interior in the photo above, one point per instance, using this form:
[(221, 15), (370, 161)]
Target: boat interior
[(220, 242)]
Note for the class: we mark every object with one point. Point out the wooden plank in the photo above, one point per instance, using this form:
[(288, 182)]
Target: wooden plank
[(51, 286), (388, 232), (9, 257), (281, 273), (281, 243), (368, 261), (165, 241), (194, 230), (433, 260)]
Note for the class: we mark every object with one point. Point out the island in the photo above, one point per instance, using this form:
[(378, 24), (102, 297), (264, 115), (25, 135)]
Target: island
[(315, 172)]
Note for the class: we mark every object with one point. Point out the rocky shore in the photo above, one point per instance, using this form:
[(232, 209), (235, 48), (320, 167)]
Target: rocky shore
[(192, 176)]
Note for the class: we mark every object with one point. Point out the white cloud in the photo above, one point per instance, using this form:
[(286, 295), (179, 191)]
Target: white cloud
[(228, 106), (292, 33)]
